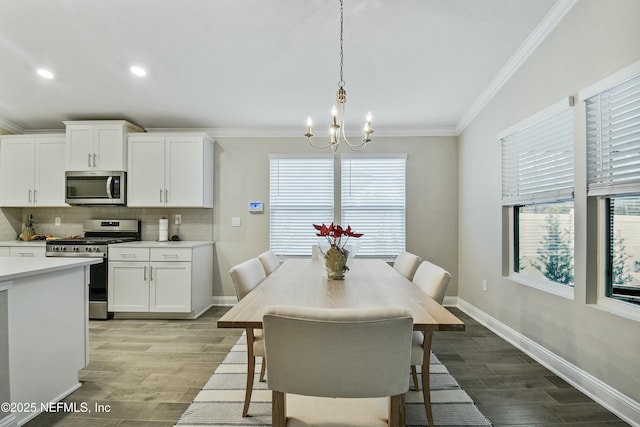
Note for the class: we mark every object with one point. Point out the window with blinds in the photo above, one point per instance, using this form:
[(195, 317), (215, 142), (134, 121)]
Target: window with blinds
[(537, 158), (373, 202), (613, 140), (301, 194), (537, 183)]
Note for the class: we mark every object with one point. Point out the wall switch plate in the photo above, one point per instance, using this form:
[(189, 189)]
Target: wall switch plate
[(177, 219), (235, 221), (57, 221)]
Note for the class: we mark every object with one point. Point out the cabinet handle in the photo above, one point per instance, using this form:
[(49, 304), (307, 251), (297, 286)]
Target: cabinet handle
[(151, 273), (161, 195), (94, 160), (166, 195), (145, 272), (29, 195), (25, 254), (170, 255), (35, 196), (89, 159), (128, 255)]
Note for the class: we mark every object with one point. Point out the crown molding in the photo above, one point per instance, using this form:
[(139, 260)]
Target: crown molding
[(10, 127), (537, 36), (297, 132)]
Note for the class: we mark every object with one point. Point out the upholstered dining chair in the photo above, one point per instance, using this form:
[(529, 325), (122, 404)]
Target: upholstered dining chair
[(245, 277), (406, 264), (433, 280), (337, 366), (269, 262)]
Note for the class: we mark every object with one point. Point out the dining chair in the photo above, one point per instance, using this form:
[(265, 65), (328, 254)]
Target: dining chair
[(269, 262), (342, 367), (406, 264), (432, 280), (245, 277)]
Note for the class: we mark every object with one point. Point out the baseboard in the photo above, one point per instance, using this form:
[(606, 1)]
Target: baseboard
[(9, 421), (223, 300), (620, 404)]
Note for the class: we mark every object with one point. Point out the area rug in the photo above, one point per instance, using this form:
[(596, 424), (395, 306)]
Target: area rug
[(220, 402)]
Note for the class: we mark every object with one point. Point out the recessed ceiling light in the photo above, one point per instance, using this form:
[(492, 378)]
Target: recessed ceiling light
[(138, 71), (45, 73)]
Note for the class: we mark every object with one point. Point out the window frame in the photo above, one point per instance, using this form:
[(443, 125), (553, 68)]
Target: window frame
[(511, 205)]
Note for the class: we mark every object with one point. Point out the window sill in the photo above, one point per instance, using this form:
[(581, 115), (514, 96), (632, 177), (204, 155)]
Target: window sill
[(618, 308), (543, 285)]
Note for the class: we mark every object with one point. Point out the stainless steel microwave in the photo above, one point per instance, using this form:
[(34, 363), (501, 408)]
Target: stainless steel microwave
[(96, 188)]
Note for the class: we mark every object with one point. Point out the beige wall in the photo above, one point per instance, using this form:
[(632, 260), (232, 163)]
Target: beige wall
[(595, 39), (242, 174)]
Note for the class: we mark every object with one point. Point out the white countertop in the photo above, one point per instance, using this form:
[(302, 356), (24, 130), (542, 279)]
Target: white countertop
[(16, 267), (169, 244), (23, 243)]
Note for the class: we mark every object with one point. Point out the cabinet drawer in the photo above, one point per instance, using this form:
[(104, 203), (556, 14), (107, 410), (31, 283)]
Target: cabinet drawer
[(29, 251), (171, 254), (128, 254)]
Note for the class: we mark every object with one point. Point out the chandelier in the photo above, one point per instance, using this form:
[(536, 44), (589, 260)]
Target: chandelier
[(337, 128)]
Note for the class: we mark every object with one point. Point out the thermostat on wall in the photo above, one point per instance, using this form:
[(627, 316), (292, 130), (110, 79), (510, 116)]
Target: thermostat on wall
[(256, 207)]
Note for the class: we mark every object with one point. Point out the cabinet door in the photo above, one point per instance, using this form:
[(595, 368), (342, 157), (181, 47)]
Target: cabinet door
[(49, 171), (17, 170), (170, 287), (128, 286), (109, 147), (145, 178), (184, 175), (79, 149)]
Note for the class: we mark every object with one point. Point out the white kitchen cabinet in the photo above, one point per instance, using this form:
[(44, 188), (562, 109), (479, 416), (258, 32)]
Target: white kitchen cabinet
[(32, 170), (98, 145), (170, 170), (5, 251), (27, 251), (175, 279)]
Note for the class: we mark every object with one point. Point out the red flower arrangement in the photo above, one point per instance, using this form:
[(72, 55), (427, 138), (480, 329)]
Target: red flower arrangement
[(334, 234)]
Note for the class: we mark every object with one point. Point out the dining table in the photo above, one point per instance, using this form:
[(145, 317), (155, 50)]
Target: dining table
[(369, 283)]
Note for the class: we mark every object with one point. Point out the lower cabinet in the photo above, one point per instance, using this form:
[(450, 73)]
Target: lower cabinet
[(23, 250), (159, 280)]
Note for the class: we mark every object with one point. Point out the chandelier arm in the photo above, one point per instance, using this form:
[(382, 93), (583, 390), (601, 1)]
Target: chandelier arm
[(327, 145)]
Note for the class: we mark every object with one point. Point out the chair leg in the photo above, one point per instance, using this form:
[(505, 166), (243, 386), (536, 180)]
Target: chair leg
[(426, 388), (251, 368), (396, 410), (414, 375), (278, 409), (263, 369)]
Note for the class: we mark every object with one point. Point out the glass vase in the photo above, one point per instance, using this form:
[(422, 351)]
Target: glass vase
[(336, 263)]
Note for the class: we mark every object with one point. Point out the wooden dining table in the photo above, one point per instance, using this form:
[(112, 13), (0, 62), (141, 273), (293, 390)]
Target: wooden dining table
[(369, 283)]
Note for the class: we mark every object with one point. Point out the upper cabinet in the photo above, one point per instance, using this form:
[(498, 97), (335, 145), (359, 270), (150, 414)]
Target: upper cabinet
[(32, 170), (98, 145), (170, 170)]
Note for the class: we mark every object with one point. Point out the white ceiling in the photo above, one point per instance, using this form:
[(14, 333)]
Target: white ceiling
[(256, 65)]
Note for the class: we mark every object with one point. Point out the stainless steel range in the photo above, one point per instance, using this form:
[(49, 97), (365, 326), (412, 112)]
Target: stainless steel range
[(98, 235)]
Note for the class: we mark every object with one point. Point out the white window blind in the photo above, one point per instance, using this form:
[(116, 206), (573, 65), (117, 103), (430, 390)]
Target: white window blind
[(373, 202), (613, 140), (537, 158), (301, 194)]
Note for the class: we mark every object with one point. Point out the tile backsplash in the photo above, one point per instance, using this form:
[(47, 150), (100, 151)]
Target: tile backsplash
[(197, 223)]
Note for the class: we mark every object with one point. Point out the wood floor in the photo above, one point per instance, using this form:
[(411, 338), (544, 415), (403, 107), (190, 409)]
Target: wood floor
[(147, 372)]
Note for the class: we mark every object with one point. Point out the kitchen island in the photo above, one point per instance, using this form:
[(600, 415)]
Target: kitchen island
[(44, 332)]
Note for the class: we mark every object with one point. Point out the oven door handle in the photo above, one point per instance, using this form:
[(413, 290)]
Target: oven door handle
[(76, 255), (109, 179)]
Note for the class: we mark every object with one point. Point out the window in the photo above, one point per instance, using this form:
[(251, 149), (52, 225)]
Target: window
[(613, 176), (373, 202), (537, 186), (301, 193), (370, 197)]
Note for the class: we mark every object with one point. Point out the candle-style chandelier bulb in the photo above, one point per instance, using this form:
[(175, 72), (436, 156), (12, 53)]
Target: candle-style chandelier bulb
[(337, 128)]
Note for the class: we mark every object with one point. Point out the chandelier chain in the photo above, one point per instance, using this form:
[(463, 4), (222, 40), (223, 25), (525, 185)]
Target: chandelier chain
[(341, 83)]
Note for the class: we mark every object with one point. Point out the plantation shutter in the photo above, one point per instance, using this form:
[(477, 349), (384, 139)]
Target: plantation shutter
[(373, 202), (537, 157), (613, 140), (301, 194)]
